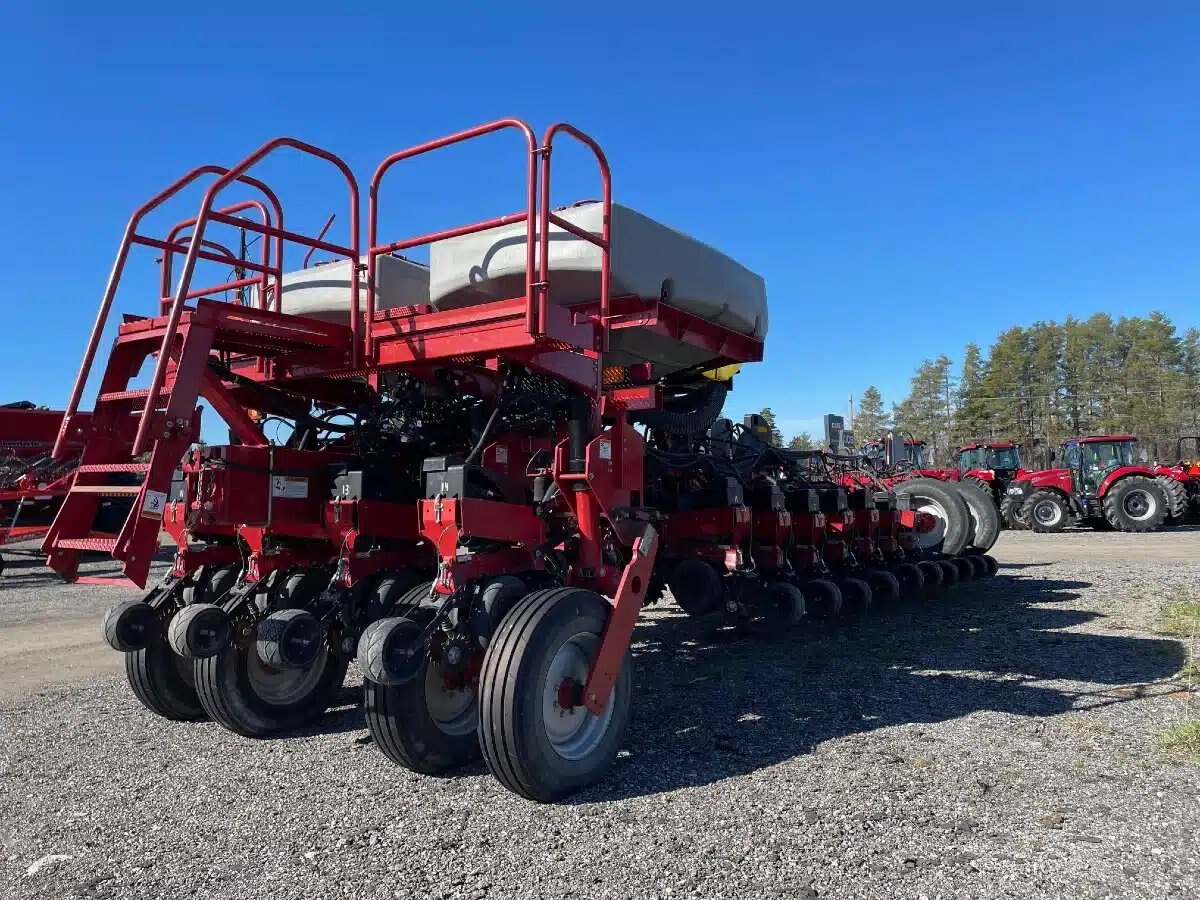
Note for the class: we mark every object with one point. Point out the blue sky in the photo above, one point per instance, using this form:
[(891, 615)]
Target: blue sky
[(907, 177)]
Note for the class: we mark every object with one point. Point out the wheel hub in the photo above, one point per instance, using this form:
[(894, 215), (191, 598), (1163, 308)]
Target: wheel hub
[(573, 731)]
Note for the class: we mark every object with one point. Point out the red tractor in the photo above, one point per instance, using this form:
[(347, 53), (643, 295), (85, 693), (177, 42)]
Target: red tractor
[(1099, 483), (1181, 482), (993, 466)]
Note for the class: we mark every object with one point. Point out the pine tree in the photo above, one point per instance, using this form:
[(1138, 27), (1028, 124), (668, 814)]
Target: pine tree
[(870, 420), (802, 441), (776, 434), (927, 412)]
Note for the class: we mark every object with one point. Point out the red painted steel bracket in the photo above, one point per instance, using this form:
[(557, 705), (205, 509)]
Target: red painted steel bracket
[(630, 596)]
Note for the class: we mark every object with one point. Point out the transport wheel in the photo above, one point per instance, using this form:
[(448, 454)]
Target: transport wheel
[(993, 565), (696, 586), (784, 603), (163, 682), (910, 579), (885, 588), (952, 521), (533, 744), (856, 596), (425, 724), (1046, 512), (1177, 499), (255, 699), (1010, 513), (985, 518), (950, 576), (932, 574), (824, 599), (966, 571), (1135, 504)]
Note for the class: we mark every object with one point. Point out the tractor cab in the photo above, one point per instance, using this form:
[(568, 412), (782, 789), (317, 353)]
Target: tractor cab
[(1091, 459), (911, 456), (1004, 459)]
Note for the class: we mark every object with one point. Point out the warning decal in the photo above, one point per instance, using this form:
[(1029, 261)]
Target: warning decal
[(289, 488), (154, 504)]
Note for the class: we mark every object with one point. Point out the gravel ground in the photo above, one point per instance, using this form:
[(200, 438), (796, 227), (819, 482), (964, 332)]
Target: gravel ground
[(999, 742)]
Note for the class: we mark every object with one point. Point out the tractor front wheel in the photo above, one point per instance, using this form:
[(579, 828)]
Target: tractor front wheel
[(537, 738), (1010, 513), (1046, 512), (1135, 503)]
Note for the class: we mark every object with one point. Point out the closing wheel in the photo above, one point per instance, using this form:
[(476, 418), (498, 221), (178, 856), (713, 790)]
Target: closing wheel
[(933, 574), (253, 698), (950, 574), (910, 579), (856, 596), (824, 599), (131, 625), (784, 603), (993, 565), (696, 586), (980, 567), (426, 723), (535, 741), (163, 682), (966, 571), (885, 588)]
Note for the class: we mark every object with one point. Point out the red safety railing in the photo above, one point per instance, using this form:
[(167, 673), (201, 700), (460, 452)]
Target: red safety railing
[(130, 238), (529, 216), (208, 214), (173, 238), (548, 218)]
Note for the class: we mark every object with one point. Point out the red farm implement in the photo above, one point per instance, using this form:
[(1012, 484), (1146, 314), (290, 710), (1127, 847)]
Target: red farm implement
[(494, 462)]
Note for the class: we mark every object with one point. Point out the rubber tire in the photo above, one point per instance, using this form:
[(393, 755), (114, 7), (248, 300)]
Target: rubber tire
[(696, 586), (1041, 497), (157, 681), (511, 734), (958, 519), (933, 575), (229, 699), (993, 564), (270, 650), (213, 587), (949, 573), (1010, 513), (885, 588), (392, 591), (911, 579), (1114, 509), (783, 603), (966, 571), (113, 635), (980, 567), (856, 597), (398, 719), (985, 518), (1177, 498), (823, 599)]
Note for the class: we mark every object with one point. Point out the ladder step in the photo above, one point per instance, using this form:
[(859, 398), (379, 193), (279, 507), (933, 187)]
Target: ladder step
[(107, 490), (138, 394), (99, 543), (115, 467)]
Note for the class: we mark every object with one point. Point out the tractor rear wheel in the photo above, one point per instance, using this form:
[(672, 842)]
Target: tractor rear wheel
[(1046, 512), (952, 521), (1010, 513), (537, 740), (985, 518), (1177, 498), (1135, 503), (163, 681), (424, 724)]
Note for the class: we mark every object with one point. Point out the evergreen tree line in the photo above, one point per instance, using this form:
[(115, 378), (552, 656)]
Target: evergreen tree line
[(1049, 381)]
